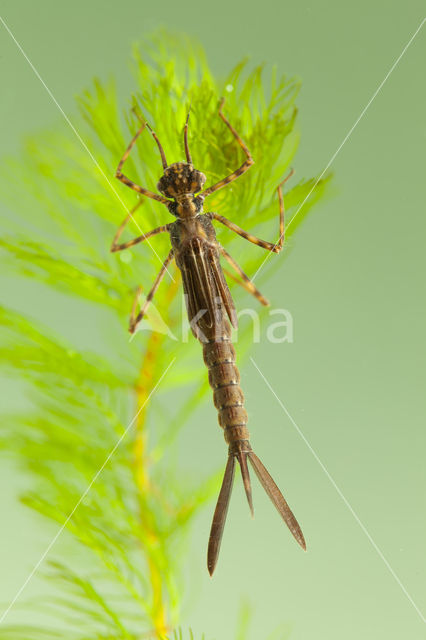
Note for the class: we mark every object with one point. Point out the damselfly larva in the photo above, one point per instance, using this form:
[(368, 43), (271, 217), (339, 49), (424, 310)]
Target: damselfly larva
[(210, 309)]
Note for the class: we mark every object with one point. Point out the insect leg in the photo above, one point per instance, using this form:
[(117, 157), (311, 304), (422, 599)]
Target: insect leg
[(135, 319), (244, 234), (238, 172), (245, 282), (276, 248), (282, 210), (124, 224), (125, 245), (129, 183)]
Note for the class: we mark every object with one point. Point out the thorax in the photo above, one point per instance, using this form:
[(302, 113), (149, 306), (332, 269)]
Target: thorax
[(185, 231)]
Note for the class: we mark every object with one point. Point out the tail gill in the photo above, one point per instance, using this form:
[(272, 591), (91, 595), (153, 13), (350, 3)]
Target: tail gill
[(242, 451)]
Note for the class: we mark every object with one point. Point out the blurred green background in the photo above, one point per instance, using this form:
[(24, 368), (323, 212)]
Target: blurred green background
[(353, 379)]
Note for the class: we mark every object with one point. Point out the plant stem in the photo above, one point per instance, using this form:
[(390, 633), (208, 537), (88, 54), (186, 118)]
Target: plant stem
[(146, 381)]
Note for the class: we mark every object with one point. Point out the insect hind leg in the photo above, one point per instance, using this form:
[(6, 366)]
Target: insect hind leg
[(245, 281)]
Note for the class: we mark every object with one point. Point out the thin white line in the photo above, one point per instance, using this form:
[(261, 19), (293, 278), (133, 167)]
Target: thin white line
[(340, 493), (95, 477), (333, 157), (98, 166)]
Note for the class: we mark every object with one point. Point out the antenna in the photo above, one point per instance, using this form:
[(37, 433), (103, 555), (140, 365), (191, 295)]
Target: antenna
[(185, 137)]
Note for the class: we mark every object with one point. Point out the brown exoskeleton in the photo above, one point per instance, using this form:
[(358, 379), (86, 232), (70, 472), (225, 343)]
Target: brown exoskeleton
[(210, 309)]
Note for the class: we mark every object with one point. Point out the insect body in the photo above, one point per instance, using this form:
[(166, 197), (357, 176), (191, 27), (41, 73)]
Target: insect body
[(211, 311)]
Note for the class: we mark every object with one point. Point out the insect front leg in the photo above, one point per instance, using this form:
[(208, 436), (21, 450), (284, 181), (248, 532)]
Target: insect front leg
[(135, 318), (246, 283), (238, 172), (129, 183), (270, 246)]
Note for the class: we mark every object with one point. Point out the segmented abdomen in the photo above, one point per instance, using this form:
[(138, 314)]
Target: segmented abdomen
[(224, 378)]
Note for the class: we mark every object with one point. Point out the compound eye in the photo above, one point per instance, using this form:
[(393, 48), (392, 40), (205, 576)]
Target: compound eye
[(163, 186), (197, 182)]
